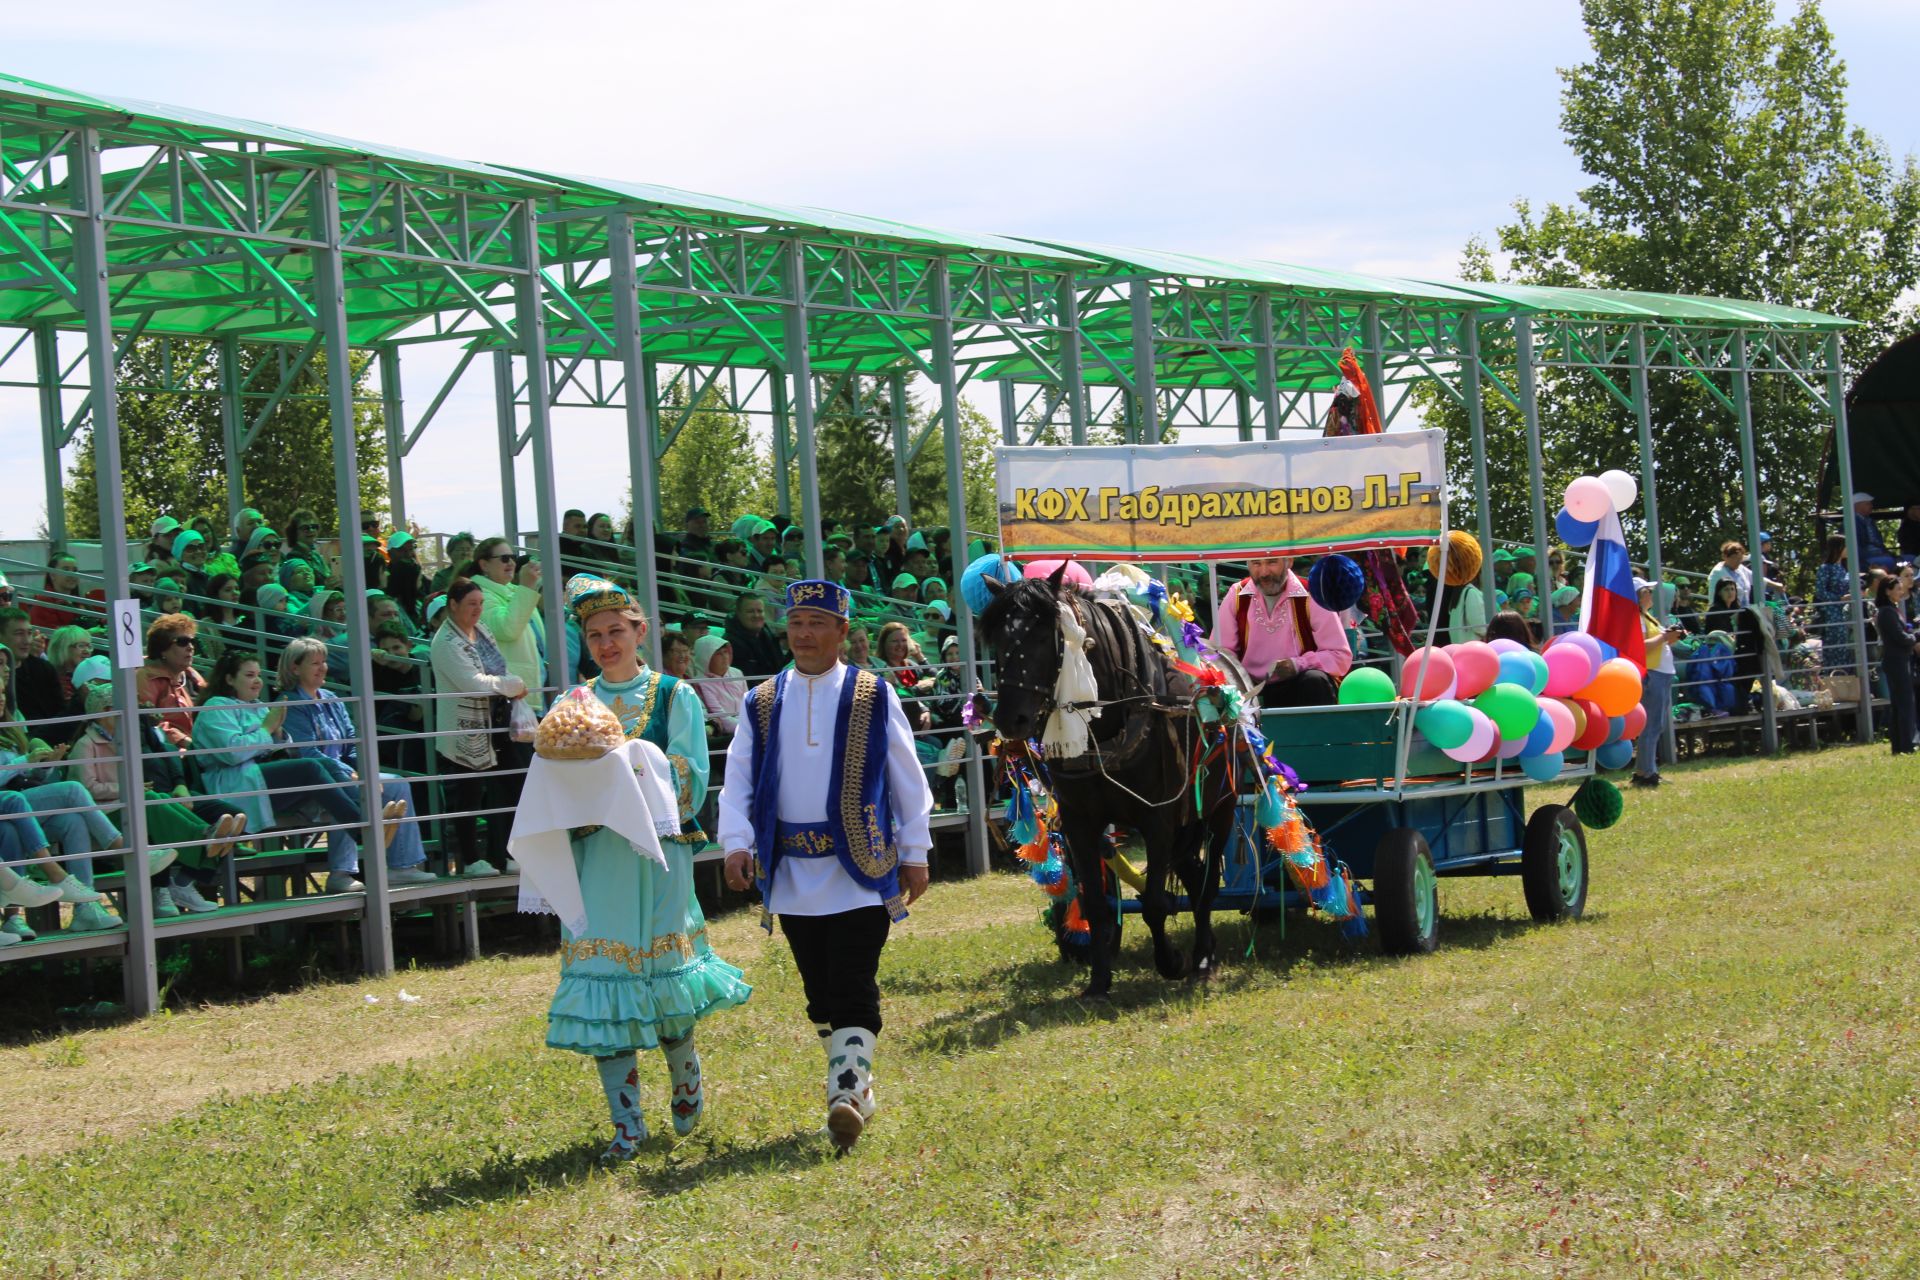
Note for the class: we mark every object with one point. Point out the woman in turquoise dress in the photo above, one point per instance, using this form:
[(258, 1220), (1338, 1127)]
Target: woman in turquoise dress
[(642, 974)]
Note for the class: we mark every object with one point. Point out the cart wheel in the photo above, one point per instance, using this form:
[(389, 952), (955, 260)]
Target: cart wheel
[(1553, 864), (1406, 898)]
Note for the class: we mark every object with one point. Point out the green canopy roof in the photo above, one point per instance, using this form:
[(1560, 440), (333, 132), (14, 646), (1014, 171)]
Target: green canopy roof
[(1622, 304), (1311, 280)]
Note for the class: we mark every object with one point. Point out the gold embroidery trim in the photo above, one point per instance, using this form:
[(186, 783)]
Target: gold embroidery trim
[(862, 821), (633, 958), (807, 843)]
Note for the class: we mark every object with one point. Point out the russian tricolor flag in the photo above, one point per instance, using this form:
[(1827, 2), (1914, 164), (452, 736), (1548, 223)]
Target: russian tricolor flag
[(1609, 606)]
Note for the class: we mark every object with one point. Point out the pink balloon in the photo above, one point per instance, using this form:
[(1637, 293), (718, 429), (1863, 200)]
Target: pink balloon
[(1563, 724), (1076, 572), (1568, 670), (1586, 644), (1504, 645), (1479, 742), (1636, 722), (1439, 674), (1588, 499), (1475, 667)]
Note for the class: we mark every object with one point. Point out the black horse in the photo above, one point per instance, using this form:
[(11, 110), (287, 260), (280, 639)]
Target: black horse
[(1138, 771)]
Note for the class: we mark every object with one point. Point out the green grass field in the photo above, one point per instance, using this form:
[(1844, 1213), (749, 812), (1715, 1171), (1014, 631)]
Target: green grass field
[(1714, 1074)]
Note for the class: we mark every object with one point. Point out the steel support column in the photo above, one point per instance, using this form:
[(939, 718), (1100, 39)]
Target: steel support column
[(53, 427), (530, 321), (800, 367), (1146, 387), (140, 974), (636, 372), (1749, 478), (1072, 382), (1650, 498), (330, 302), (943, 362), (1009, 429), (902, 444), (233, 431), (1483, 493), (1536, 485), (782, 410), (394, 424), (509, 430), (1267, 367), (1856, 601)]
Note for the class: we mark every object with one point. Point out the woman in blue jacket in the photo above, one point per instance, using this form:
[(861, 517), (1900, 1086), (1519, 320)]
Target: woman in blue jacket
[(319, 727)]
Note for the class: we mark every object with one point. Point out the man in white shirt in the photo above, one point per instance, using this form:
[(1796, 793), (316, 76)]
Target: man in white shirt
[(829, 819)]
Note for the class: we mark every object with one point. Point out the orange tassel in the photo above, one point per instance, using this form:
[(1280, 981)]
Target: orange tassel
[(1291, 835), (1058, 889), (1037, 851), (1076, 922)]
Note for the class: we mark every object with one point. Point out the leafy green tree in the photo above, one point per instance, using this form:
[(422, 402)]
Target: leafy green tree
[(173, 459), (713, 463), (1722, 163)]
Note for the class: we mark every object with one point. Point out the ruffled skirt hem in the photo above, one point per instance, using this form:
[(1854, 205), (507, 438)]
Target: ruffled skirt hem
[(606, 1014)]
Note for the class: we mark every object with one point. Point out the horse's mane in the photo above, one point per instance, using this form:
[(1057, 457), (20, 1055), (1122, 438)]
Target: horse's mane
[(1029, 595)]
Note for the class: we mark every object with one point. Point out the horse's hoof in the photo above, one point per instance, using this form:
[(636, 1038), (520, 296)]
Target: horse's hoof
[(1172, 967), (1100, 996), (1202, 970)]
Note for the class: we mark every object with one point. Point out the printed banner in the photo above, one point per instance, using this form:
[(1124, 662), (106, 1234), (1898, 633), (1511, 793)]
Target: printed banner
[(1225, 501)]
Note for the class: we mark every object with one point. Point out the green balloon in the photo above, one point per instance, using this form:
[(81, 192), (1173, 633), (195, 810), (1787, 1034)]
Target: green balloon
[(1512, 709), (1447, 723), (1366, 684)]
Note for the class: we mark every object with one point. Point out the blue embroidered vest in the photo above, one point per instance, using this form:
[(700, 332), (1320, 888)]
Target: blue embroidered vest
[(858, 831)]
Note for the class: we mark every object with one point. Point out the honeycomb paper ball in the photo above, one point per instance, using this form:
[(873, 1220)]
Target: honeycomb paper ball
[(1463, 558), (1598, 804), (1335, 583)]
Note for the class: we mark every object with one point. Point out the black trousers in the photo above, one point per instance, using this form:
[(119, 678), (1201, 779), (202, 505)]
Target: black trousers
[(839, 961), (1306, 687)]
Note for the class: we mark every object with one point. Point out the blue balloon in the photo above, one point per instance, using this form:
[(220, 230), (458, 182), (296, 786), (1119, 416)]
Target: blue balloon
[(973, 582), (1543, 768), (1615, 755), (1575, 533), (1516, 668), (1538, 740), (1616, 730)]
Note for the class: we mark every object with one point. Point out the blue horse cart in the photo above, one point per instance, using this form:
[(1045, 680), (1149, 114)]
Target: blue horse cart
[(1403, 815)]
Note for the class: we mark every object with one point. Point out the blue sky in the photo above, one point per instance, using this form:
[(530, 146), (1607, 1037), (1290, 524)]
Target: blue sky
[(1376, 136)]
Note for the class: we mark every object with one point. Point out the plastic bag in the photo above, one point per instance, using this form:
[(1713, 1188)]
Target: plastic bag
[(522, 724)]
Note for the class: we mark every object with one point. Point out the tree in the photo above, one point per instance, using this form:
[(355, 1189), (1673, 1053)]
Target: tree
[(173, 458), (1722, 164), (713, 463)]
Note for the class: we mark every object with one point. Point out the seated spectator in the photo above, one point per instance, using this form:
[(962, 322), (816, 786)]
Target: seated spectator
[(201, 833), (1723, 610), (320, 727), (297, 577), (168, 681), (1686, 609), (512, 614), (890, 556), (256, 571), (68, 816), (36, 683), (244, 525), (602, 546), (459, 550), (719, 683), (857, 575), (901, 669), (405, 583), (273, 613), (22, 841), (1509, 625), (397, 685), (160, 539), (168, 597), (834, 561), (735, 564), (470, 729), (235, 733), (67, 648), (1732, 567), (1566, 609), (265, 542), (58, 603), (1873, 546), (205, 527), (756, 650), (382, 608), (696, 542), (1832, 587), (190, 553), (858, 650), (302, 544), (905, 587), (676, 655)]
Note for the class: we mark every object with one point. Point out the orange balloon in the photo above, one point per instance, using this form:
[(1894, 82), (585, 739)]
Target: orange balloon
[(1615, 687)]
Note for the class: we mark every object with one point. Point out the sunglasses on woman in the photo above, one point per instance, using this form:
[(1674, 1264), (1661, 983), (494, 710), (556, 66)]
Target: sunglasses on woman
[(182, 642)]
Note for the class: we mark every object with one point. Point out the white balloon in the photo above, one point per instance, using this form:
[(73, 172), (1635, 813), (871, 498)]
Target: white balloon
[(1621, 487)]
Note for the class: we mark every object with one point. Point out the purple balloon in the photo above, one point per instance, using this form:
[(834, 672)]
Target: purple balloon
[(1504, 645), (1511, 748), (1586, 643)]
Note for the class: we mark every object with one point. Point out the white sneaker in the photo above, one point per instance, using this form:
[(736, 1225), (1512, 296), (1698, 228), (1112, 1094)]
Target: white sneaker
[(189, 898), (9, 940), (480, 867), (91, 917), (163, 908), (17, 927), (513, 868), (342, 882), (71, 890), (29, 893), (410, 875), (159, 860)]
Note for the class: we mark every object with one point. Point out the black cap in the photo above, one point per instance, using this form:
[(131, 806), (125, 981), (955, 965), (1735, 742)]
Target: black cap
[(697, 511)]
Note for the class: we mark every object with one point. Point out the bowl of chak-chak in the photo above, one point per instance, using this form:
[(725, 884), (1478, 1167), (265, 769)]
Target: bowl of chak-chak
[(578, 727)]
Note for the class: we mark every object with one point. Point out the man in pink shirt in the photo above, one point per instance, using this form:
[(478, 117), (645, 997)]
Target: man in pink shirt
[(1269, 622)]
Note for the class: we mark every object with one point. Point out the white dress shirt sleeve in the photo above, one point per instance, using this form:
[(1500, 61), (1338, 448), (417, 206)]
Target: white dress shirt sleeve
[(736, 793)]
